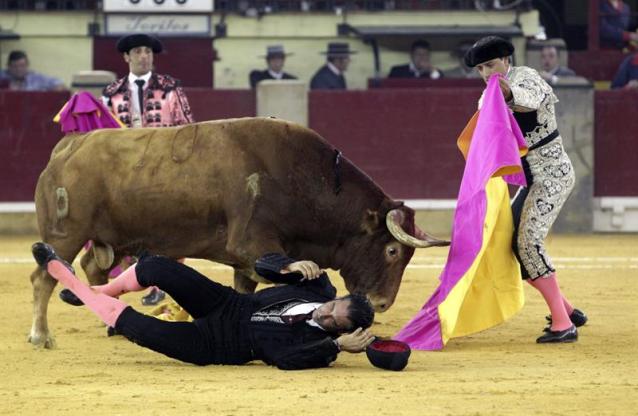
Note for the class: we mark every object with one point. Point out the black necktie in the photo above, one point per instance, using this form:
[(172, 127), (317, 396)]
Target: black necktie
[(140, 93), (293, 319)]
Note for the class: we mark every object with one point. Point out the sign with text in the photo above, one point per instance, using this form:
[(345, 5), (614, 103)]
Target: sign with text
[(160, 6), (159, 24)]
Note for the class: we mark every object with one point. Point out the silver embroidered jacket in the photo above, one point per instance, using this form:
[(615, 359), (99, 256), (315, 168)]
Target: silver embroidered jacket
[(532, 102)]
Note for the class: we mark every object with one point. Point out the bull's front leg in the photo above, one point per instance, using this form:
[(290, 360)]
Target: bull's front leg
[(43, 285)]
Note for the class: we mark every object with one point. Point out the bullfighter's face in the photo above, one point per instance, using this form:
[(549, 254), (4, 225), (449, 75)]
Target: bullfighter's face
[(333, 316), (493, 66), (140, 60)]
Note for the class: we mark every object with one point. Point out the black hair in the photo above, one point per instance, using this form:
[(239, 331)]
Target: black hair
[(420, 43), (16, 56), (360, 311)]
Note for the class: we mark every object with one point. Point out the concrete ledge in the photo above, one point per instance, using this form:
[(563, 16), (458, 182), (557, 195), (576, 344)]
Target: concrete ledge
[(616, 214)]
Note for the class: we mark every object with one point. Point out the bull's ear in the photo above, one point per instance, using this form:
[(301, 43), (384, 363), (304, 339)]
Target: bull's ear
[(370, 221)]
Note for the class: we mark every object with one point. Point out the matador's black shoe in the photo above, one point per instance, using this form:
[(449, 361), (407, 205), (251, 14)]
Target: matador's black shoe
[(44, 253), (568, 335), (69, 297), (577, 317)]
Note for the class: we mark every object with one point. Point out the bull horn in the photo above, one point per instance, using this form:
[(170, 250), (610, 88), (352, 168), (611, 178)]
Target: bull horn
[(424, 241)]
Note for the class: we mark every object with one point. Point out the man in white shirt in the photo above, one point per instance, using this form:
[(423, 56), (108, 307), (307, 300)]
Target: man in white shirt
[(330, 76), (275, 59), (145, 98)]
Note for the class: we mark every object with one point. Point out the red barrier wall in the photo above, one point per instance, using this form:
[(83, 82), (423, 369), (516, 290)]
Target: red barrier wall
[(616, 143), (404, 139), (210, 104), (27, 136)]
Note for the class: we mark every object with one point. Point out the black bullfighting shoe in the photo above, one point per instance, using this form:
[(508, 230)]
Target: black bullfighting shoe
[(568, 335), (69, 297), (44, 253), (577, 317), (154, 297)]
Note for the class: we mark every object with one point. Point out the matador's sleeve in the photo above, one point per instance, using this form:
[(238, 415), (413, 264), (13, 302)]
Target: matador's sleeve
[(180, 108), (529, 90)]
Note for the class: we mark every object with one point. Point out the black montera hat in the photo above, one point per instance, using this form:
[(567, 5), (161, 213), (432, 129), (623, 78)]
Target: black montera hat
[(128, 42), (388, 354), (488, 48)]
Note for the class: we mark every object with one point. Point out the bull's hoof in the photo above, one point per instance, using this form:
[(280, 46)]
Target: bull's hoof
[(42, 341)]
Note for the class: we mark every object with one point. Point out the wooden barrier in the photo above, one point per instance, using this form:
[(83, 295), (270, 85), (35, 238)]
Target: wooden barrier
[(404, 139), (616, 143), (27, 136)]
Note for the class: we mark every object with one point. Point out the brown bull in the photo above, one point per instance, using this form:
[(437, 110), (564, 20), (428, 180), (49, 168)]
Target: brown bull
[(227, 191)]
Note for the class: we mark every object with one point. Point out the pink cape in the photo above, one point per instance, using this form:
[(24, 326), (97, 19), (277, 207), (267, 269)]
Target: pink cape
[(83, 113), (494, 150)]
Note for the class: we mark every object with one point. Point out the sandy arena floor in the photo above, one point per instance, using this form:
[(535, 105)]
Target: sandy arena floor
[(498, 372)]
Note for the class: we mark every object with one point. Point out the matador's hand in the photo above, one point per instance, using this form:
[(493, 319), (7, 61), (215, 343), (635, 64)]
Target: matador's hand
[(356, 341), (505, 88), (307, 268)]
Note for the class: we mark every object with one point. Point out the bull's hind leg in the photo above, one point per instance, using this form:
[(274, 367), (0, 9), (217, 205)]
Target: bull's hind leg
[(43, 285)]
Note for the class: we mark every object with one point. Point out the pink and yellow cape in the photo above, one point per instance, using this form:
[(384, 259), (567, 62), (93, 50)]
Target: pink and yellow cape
[(481, 283)]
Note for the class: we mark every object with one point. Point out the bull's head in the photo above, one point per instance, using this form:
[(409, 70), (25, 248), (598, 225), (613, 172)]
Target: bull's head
[(379, 254)]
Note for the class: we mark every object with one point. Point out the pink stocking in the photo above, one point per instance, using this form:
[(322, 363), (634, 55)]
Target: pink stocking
[(548, 286), (124, 283), (108, 309)]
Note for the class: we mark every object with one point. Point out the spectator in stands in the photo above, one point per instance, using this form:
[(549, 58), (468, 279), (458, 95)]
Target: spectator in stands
[(627, 75), (275, 59), (330, 76), (615, 19), (145, 98), (18, 77), (419, 66), (461, 70), (551, 69)]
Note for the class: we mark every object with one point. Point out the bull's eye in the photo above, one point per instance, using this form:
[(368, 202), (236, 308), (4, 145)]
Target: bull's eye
[(392, 251)]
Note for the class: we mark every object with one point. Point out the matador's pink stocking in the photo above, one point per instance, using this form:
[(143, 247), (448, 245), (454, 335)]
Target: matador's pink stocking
[(108, 309)]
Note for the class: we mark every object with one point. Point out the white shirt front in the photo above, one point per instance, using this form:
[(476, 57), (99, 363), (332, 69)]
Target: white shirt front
[(334, 68), (304, 308), (135, 105), (276, 75)]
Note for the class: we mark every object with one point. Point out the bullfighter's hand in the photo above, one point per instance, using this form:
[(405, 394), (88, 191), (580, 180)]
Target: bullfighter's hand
[(356, 341), (505, 87), (309, 269)]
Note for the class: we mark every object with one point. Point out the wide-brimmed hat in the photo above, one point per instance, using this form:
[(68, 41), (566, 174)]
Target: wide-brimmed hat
[(338, 49), (128, 42), (388, 354), (486, 49), (275, 51)]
